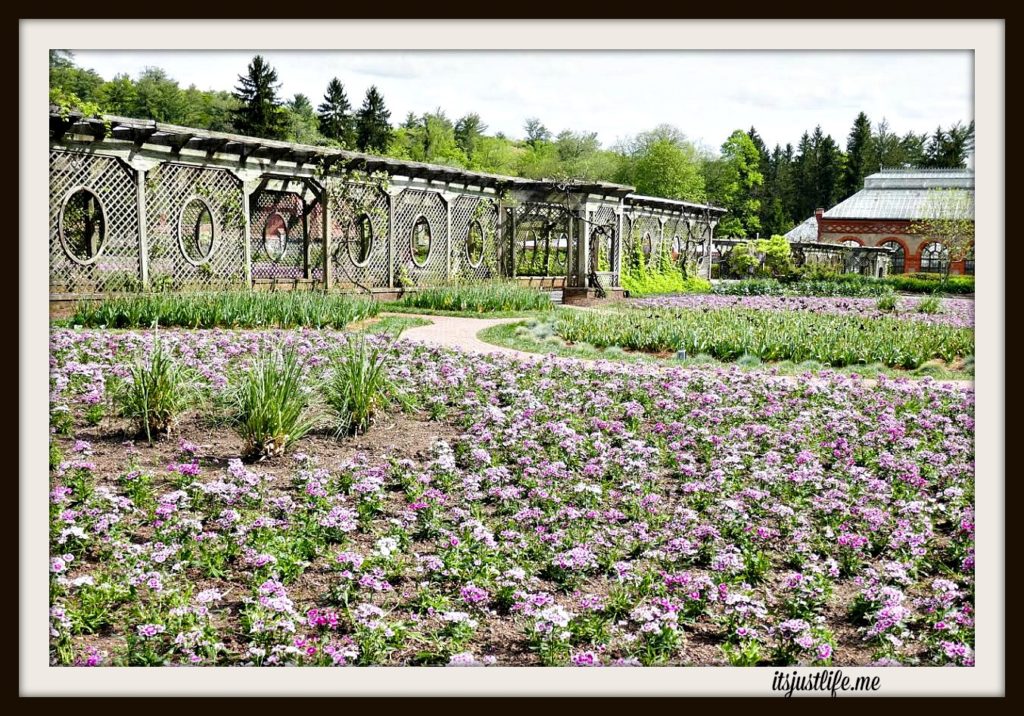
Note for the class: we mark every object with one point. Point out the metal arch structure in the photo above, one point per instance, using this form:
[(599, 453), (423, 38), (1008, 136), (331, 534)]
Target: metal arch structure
[(185, 209)]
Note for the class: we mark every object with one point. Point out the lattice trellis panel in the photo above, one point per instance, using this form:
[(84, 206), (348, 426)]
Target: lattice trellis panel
[(605, 244), (542, 239), (475, 250), (410, 205), (195, 230), (674, 232), (115, 265), (351, 203), (278, 241), (643, 226)]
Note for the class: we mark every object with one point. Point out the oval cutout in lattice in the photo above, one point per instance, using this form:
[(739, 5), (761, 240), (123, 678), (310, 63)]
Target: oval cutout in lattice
[(475, 244), (421, 241), (648, 244), (275, 236), (360, 240), (82, 226), (196, 231), (562, 250)]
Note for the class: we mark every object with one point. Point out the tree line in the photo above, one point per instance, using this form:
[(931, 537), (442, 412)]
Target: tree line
[(767, 191)]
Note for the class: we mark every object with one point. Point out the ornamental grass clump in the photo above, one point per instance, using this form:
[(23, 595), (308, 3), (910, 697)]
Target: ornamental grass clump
[(157, 392), (270, 404), (932, 304), (359, 387)]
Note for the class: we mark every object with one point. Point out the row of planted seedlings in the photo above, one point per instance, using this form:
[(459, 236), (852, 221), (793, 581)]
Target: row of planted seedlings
[(228, 309), (783, 524), (729, 334)]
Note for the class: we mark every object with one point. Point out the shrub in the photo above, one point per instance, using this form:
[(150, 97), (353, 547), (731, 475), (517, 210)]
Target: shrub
[(359, 386), (157, 392), (817, 284), (270, 404)]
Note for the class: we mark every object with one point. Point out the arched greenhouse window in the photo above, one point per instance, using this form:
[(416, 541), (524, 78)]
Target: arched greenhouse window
[(898, 259), (934, 258)]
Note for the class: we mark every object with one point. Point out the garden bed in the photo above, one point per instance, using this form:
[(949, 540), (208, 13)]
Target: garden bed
[(516, 515)]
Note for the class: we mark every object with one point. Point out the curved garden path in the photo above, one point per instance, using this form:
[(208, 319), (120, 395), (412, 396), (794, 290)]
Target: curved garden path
[(461, 333)]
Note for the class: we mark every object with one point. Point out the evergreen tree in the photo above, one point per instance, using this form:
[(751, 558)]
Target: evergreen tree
[(260, 113), (858, 155), (335, 114), (468, 131), (777, 192), (819, 172), (741, 180), (760, 193), (373, 132), (949, 148)]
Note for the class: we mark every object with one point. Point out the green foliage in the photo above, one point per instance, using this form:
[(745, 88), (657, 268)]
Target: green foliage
[(359, 386), (846, 285), (858, 152), (770, 336), (156, 393), (762, 258), (226, 310), (887, 303), (950, 221), (270, 404), (931, 304), (737, 185), (663, 162), (260, 113), (479, 297), (373, 131), (302, 123), (335, 114), (657, 274)]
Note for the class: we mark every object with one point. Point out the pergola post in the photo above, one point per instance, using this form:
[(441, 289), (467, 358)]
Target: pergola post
[(711, 244), (584, 244), (248, 187), (512, 245), (140, 200), (391, 240), (325, 217), (447, 198), (617, 243)]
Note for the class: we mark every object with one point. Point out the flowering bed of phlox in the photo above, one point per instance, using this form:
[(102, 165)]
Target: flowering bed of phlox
[(591, 516), (955, 312)]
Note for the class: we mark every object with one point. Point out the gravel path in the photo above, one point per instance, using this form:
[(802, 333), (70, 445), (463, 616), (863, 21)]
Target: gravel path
[(460, 333)]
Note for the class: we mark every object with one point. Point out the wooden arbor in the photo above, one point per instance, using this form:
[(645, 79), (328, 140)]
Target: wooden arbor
[(142, 205)]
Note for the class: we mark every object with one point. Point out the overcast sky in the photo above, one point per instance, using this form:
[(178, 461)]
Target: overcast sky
[(616, 94)]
